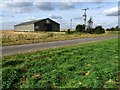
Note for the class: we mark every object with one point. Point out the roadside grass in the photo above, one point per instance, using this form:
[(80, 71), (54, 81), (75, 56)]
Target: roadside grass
[(92, 65), (10, 37)]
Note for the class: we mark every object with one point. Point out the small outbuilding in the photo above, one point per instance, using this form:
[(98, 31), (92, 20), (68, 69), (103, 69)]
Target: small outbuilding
[(38, 25)]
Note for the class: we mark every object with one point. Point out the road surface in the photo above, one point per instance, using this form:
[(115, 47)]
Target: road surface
[(10, 50)]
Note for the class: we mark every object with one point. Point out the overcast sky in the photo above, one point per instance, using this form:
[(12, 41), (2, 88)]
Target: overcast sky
[(16, 11)]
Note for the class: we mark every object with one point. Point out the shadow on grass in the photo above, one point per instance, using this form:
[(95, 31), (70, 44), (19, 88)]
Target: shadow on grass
[(12, 63)]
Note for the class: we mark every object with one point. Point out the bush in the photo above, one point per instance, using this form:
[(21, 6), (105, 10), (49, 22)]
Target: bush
[(99, 30), (90, 30), (80, 28), (68, 31), (113, 29), (117, 28)]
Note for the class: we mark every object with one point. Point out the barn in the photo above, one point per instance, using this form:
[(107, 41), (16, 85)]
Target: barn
[(46, 24)]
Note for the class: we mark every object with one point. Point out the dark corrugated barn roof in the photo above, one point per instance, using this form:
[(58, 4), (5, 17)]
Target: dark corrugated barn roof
[(34, 21)]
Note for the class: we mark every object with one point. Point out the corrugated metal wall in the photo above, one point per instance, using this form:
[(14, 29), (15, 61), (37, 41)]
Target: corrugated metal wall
[(27, 27), (55, 26), (42, 27)]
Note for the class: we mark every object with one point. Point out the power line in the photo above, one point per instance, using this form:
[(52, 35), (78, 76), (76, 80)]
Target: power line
[(85, 17)]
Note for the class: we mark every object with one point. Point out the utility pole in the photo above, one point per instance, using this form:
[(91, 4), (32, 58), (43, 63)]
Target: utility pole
[(71, 24), (85, 17)]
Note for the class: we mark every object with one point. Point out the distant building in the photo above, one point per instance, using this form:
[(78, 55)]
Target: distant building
[(38, 25)]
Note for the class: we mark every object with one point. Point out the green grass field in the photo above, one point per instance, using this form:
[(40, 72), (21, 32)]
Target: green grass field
[(92, 65)]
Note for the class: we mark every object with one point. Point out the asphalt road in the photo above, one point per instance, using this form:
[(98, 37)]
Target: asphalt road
[(10, 50)]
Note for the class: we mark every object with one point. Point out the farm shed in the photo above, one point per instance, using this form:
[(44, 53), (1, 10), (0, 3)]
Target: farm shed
[(38, 25)]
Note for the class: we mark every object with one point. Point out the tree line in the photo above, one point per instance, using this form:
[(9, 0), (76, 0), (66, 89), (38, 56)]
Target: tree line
[(97, 30)]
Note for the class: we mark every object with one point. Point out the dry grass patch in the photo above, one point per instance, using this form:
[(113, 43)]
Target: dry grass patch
[(10, 37)]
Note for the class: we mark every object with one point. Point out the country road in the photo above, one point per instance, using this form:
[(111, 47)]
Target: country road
[(10, 50)]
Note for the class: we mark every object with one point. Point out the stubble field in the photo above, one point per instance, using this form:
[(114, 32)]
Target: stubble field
[(10, 37)]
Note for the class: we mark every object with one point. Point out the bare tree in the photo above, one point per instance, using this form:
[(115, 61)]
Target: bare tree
[(90, 23)]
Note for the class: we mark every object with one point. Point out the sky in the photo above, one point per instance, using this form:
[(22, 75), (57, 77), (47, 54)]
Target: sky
[(103, 12)]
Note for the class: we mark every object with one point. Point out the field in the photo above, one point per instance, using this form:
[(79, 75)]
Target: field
[(10, 37), (92, 65)]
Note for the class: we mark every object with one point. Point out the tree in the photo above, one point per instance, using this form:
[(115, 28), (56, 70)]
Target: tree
[(80, 28), (117, 28), (99, 30), (90, 30), (90, 23), (113, 29), (68, 31), (107, 29)]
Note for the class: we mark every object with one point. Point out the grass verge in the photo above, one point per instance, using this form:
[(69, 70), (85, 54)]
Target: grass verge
[(93, 65)]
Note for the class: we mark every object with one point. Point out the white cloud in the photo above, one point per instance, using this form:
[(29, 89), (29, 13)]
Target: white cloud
[(44, 5), (66, 5), (1, 5), (17, 1), (60, 0), (97, 1), (100, 1), (18, 6), (115, 11), (78, 18), (54, 5), (30, 18), (54, 16)]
